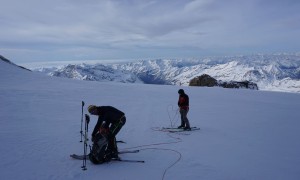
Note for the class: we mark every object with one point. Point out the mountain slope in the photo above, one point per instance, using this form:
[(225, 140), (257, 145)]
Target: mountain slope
[(2, 58), (244, 134)]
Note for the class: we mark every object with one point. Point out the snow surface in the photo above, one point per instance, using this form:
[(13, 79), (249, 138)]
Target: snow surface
[(245, 135)]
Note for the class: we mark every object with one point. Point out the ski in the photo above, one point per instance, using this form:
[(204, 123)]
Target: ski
[(181, 130), (128, 151), (126, 160), (81, 157)]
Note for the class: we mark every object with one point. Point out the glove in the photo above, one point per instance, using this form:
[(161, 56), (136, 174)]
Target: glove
[(93, 138), (104, 131)]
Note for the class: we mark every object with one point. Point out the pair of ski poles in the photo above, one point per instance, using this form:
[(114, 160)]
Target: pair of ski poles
[(85, 135)]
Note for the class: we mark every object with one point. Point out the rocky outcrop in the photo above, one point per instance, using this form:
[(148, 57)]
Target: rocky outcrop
[(208, 81), (203, 80), (238, 85)]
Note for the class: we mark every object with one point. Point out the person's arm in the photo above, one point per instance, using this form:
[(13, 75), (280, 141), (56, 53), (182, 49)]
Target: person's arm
[(97, 126)]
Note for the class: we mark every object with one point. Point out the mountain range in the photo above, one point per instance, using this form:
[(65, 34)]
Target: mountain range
[(276, 72)]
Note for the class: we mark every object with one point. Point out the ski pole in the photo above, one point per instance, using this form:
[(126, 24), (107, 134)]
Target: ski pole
[(87, 120), (82, 104), (84, 151)]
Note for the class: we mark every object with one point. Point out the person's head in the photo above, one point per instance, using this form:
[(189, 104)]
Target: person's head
[(180, 91), (93, 110)]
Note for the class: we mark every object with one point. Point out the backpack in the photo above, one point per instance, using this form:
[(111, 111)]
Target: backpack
[(98, 153)]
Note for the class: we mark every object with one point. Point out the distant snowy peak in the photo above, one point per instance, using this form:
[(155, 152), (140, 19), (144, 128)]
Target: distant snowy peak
[(270, 72), (97, 72)]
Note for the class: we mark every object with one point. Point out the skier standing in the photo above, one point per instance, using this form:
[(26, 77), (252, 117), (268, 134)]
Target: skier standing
[(110, 121), (183, 104)]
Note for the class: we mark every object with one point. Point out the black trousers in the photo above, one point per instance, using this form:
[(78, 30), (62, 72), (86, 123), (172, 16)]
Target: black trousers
[(114, 130)]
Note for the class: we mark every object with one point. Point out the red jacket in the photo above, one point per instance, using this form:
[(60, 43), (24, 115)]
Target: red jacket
[(183, 101)]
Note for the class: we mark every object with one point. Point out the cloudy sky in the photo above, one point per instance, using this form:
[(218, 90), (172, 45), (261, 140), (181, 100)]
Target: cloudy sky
[(60, 30)]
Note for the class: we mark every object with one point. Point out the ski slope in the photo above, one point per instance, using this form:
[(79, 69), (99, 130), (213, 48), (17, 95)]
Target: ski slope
[(245, 135)]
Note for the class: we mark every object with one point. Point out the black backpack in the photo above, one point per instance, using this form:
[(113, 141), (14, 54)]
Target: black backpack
[(98, 154)]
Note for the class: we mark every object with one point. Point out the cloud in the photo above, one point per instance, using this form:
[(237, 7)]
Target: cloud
[(115, 27)]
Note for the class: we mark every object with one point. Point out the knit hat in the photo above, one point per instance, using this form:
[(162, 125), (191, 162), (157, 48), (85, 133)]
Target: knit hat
[(92, 108), (180, 91)]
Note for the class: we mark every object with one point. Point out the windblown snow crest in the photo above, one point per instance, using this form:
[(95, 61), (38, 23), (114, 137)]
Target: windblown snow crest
[(279, 72)]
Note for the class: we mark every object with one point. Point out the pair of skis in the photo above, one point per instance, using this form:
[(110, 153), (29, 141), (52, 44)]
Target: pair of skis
[(81, 157), (167, 129), (174, 129)]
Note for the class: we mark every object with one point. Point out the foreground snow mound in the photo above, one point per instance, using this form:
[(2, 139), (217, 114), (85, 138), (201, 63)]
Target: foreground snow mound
[(244, 134)]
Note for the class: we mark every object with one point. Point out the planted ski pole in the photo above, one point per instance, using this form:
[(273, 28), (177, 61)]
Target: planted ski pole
[(86, 129), (82, 104)]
